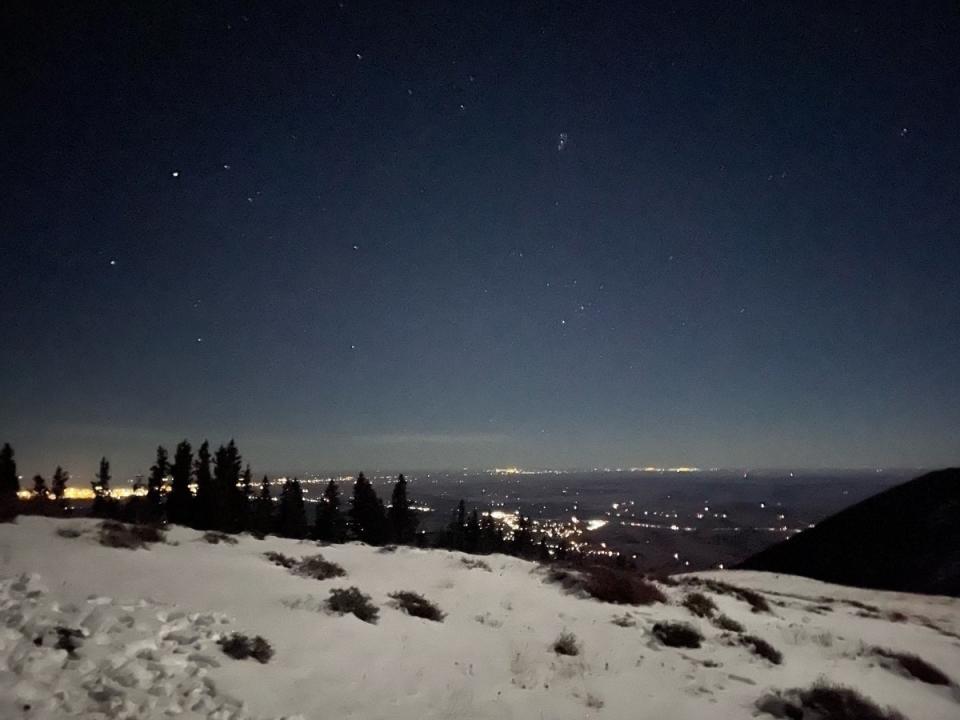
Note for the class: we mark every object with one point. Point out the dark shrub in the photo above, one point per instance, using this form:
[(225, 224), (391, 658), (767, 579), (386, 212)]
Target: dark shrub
[(674, 634), (824, 702), (131, 537), (699, 604), (607, 584), (350, 600), (897, 616), (761, 647), (623, 621), (756, 601), (475, 564), (240, 647), (566, 644), (387, 549), (69, 532), (215, 538), (318, 568), (914, 666), (280, 559), (725, 622), (417, 605)]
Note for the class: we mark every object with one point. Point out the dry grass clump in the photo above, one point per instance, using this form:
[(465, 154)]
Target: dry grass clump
[(725, 622), (699, 604), (756, 601), (215, 538), (131, 537), (239, 647), (318, 568), (676, 634), (566, 644), (912, 665), (824, 702), (417, 605), (475, 564), (350, 601), (69, 532), (606, 584), (280, 559), (761, 647)]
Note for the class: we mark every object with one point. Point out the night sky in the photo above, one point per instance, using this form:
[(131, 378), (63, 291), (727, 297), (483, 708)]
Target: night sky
[(475, 234)]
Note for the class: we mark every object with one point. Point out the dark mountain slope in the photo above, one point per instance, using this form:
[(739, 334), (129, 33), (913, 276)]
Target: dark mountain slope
[(906, 538)]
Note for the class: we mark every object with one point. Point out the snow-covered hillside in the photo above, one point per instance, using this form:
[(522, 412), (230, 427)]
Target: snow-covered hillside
[(150, 619)]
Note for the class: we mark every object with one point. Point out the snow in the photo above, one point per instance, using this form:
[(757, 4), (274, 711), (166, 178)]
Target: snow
[(150, 619)]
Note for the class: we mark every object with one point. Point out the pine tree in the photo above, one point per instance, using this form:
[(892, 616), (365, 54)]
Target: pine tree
[(292, 517), (40, 496), (180, 499), (523, 537), (59, 489), (471, 533), (403, 521), (263, 509), (246, 492), (204, 504), (9, 485), (491, 540), (368, 520), (543, 552), (102, 501), (457, 527), (153, 511), (330, 526), (228, 499)]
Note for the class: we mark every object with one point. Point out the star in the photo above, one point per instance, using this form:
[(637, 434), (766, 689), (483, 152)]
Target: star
[(175, 173), (113, 262)]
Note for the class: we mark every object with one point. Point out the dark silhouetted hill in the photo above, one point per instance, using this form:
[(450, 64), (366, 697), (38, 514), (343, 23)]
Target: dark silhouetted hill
[(906, 538)]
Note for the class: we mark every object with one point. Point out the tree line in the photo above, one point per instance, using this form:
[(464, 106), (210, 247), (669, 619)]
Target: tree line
[(216, 492)]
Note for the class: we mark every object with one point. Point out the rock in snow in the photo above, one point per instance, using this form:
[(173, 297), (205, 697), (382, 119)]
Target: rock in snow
[(98, 632)]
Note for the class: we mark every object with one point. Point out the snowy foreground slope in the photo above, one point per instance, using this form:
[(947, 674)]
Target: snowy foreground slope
[(151, 618)]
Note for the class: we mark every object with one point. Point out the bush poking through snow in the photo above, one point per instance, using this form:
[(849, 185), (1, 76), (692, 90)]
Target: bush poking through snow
[(761, 647), (318, 568), (417, 605), (474, 564), (699, 604), (594, 702), (756, 601), (824, 702), (215, 538), (280, 559), (912, 665), (676, 634), (606, 584), (344, 601), (725, 622), (566, 644), (117, 535), (239, 647), (623, 621), (69, 532)]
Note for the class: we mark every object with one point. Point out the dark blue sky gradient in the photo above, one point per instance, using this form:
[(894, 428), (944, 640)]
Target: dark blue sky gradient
[(746, 253)]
